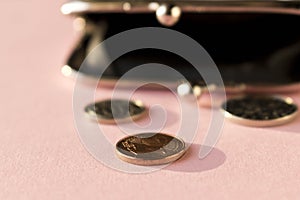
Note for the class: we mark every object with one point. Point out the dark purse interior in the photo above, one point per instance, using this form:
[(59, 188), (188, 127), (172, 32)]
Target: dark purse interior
[(251, 48)]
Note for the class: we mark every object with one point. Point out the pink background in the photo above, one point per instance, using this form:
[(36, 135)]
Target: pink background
[(41, 156)]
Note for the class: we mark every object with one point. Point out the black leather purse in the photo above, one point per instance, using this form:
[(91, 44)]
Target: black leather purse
[(254, 43)]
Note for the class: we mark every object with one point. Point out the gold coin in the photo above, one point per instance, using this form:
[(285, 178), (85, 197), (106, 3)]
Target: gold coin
[(260, 111), (117, 110), (150, 149)]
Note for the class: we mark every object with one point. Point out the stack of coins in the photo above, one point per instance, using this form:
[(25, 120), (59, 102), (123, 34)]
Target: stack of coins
[(160, 148), (139, 149)]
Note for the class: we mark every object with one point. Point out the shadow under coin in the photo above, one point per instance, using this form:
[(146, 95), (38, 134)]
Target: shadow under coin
[(190, 162)]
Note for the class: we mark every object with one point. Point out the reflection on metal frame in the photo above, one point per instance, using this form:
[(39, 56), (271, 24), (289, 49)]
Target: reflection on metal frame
[(276, 6), (71, 73)]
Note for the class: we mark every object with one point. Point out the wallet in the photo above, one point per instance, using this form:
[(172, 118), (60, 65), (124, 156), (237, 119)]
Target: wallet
[(253, 43)]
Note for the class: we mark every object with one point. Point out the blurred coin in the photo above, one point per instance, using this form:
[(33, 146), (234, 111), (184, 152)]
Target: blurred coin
[(150, 149), (260, 111), (110, 111)]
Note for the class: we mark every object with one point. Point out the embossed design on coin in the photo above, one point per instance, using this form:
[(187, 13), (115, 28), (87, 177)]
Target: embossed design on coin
[(110, 111), (150, 149), (260, 110)]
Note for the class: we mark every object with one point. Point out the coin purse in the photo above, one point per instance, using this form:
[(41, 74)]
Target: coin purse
[(255, 44)]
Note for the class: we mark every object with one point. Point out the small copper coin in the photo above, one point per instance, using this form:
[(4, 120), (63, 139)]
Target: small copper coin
[(117, 110), (150, 149), (260, 111)]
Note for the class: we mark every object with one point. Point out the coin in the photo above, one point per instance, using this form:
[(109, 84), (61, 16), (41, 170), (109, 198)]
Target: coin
[(260, 111), (150, 149), (116, 110)]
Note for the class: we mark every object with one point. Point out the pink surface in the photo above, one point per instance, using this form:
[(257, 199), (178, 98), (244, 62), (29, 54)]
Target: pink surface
[(41, 156)]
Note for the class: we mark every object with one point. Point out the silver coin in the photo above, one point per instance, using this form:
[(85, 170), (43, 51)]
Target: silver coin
[(150, 149), (260, 111), (117, 110)]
